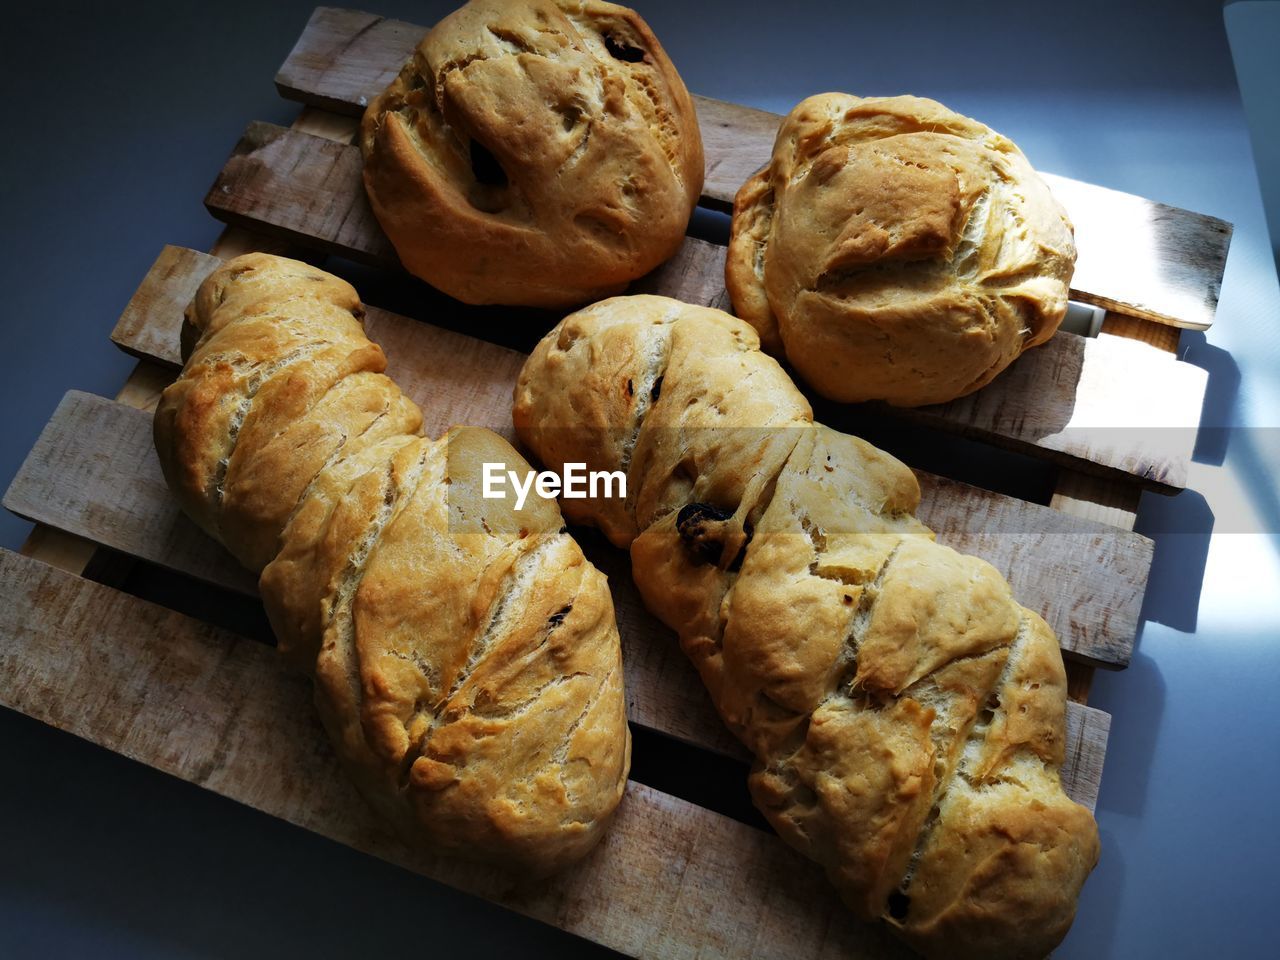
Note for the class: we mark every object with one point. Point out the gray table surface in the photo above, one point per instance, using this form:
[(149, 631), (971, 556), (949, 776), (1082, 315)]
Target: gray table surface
[(121, 114)]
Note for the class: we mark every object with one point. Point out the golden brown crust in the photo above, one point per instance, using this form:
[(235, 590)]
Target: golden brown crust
[(906, 713), (465, 654), (537, 153), (895, 250)]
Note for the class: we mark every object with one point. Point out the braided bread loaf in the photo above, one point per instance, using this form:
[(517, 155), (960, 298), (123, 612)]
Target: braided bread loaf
[(466, 663), (907, 715), (541, 152)]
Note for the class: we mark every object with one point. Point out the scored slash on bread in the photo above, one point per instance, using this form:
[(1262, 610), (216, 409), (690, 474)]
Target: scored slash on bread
[(466, 659)]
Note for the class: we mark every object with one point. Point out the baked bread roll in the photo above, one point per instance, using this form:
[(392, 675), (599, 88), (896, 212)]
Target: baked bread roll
[(895, 250), (534, 153), (906, 714), (465, 656)]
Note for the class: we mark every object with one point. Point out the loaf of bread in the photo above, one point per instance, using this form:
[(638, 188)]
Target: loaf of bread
[(466, 661), (906, 713), (540, 153), (894, 250)]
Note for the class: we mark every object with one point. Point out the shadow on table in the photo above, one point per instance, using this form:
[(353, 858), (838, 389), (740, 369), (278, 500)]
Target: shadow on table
[(1141, 689), (152, 853), (1094, 932)]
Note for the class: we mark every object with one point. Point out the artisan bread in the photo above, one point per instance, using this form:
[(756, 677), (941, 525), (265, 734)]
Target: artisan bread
[(895, 250), (906, 713), (465, 656), (535, 153)]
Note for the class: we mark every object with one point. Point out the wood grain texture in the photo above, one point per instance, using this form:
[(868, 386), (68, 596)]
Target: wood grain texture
[(1086, 579), (93, 473), (1088, 403), (313, 191), (1138, 257), (670, 879), (1114, 407), (1090, 498), (168, 288)]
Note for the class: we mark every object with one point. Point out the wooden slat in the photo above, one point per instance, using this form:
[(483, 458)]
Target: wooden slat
[(1142, 258), (1086, 579), (1106, 501), (1058, 401), (321, 201), (93, 473), (669, 879), (1139, 257), (176, 275)]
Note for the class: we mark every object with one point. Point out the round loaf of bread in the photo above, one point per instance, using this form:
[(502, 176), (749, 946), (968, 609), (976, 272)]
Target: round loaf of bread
[(895, 250), (534, 153)]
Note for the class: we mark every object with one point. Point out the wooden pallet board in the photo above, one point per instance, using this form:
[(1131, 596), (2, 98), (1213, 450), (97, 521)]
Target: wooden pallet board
[(1137, 257), (670, 878), (1060, 401), (1085, 578)]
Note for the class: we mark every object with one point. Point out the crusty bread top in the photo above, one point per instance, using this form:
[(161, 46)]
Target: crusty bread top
[(907, 714), (465, 654), (537, 153), (895, 250)]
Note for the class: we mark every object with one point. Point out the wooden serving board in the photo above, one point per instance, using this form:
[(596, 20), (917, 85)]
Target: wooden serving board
[(218, 711), (673, 878)]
